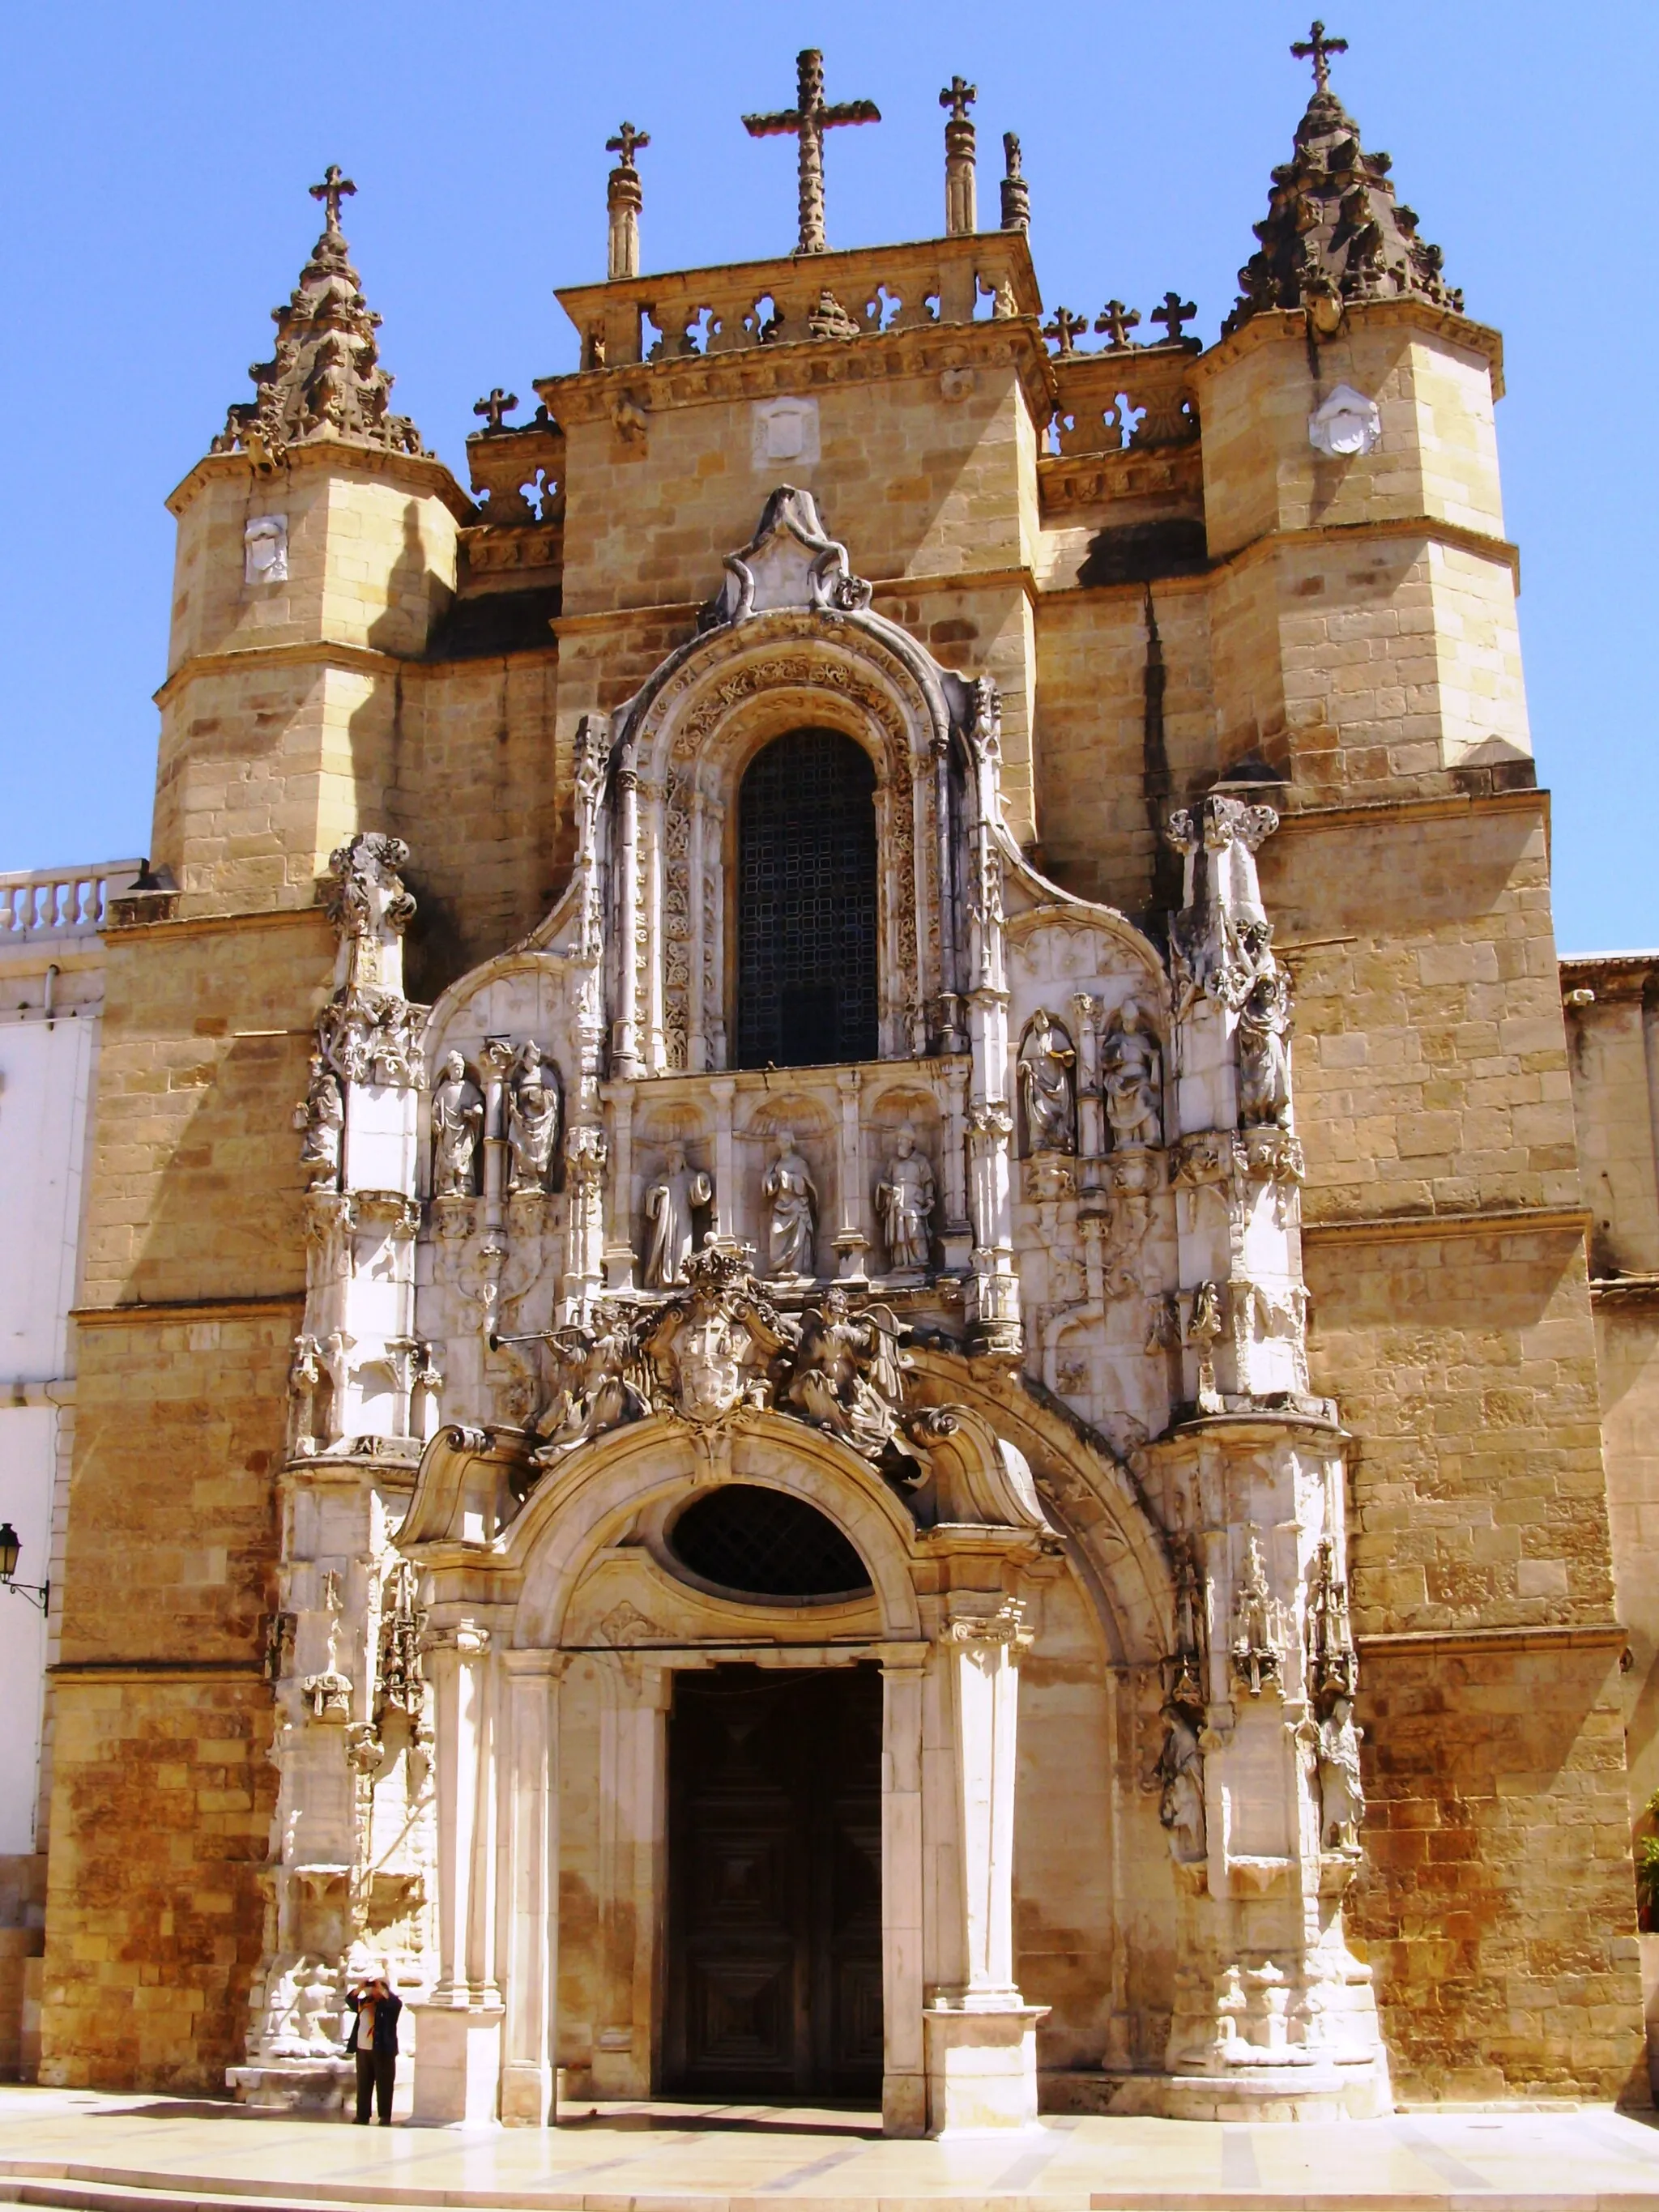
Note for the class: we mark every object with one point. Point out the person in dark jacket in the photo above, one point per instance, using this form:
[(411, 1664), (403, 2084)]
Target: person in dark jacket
[(376, 2007)]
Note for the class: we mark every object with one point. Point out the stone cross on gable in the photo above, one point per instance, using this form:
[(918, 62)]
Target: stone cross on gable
[(808, 120), (1064, 328), (497, 403), (628, 142), (1114, 322), (1316, 47), (958, 96), (1172, 314), (335, 188)]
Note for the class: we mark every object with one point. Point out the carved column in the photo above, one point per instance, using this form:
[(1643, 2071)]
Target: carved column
[(633, 1820), (457, 2061), (993, 1301), (980, 2035), (624, 1042), (528, 1932), (852, 1238), (904, 2080), (956, 1237), (620, 1259), (728, 1212)]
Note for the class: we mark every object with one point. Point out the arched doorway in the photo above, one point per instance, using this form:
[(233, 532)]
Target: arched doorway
[(806, 966)]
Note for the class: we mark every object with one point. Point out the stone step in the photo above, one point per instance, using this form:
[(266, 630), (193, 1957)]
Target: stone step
[(72, 2188)]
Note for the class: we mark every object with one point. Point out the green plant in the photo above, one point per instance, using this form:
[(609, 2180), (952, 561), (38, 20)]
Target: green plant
[(1647, 1868)]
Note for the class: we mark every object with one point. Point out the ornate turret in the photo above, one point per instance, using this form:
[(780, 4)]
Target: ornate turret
[(1333, 231), (324, 379)]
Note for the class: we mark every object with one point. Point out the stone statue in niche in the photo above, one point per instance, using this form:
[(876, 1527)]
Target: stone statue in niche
[(1264, 1056), (1341, 1795), (670, 1204), (1047, 1086), (533, 1104), (1178, 1777), (791, 1208), (1132, 1077), (321, 1115), (1257, 1641), (904, 1204), (458, 1109)]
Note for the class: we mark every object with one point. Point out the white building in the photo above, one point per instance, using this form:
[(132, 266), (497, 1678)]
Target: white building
[(52, 998)]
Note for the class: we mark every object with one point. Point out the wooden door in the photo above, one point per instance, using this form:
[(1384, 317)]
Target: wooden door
[(775, 1883)]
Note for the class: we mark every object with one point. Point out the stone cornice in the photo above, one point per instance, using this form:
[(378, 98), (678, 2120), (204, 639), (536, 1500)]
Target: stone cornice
[(420, 472), (1611, 976), (1133, 472), (1442, 806), (883, 587), (1456, 534), (329, 652), (1542, 1636), (810, 365), (174, 926), (1274, 325), (162, 1313), (156, 1670), (1496, 1221), (1625, 1290)]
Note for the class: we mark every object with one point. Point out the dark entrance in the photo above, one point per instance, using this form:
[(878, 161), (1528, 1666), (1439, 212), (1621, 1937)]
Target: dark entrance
[(775, 1883), (806, 903)]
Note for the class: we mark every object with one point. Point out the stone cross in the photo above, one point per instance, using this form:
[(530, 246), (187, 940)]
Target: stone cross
[(1064, 328), (335, 188), (960, 185), (1114, 322), (498, 404), (958, 96), (1315, 47), (809, 119), (1172, 314), (627, 142)]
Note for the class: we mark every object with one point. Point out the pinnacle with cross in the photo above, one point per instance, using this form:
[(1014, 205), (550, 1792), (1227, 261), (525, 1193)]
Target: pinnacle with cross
[(1064, 328), (335, 188), (1317, 48), (808, 120), (628, 142), (1114, 322), (958, 96), (1172, 314), (497, 403)]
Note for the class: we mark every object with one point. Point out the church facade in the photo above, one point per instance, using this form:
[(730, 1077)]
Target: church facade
[(834, 1336)]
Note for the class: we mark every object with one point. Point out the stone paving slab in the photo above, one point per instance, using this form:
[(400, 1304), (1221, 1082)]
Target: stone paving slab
[(89, 2153)]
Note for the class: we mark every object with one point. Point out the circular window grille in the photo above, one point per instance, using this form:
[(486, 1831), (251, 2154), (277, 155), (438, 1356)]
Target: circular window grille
[(765, 1543)]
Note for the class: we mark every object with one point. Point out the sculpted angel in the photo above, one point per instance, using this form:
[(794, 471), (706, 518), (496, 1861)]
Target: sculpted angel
[(848, 1377)]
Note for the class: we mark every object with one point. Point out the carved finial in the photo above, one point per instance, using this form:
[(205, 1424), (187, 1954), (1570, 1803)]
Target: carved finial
[(324, 379), (1114, 322), (958, 96), (1016, 192), (496, 403), (1174, 312), (1316, 47), (624, 197), (808, 120), (1064, 327), (335, 188), (961, 190), (628, 142)]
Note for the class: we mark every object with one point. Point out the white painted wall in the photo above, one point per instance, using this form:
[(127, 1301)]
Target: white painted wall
[(51, 1006)]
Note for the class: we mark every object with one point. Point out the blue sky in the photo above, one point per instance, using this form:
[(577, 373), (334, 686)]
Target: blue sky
[(155, 163)]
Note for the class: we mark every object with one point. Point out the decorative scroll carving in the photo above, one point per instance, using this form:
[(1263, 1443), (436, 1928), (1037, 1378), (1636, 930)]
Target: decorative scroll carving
[(1219, 941), (368, 1032)]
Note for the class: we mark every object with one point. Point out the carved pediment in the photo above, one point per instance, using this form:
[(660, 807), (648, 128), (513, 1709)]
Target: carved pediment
[(790, 561)]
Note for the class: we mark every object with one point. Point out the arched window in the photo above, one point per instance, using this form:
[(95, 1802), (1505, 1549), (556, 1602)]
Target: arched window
[(806, 903)]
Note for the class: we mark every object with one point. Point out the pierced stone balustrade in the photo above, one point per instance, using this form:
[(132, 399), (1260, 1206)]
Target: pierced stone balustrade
[(1127, 397), (869, 291)]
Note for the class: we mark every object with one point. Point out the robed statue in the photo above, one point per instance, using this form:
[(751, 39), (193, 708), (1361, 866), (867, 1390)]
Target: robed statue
[(671, 1205), (792, 1212)]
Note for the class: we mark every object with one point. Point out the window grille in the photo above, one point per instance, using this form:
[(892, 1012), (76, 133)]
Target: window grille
[(806, 903), (766, 1544)]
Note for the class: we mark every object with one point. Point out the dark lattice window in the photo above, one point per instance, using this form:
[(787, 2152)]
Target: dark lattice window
[(806, 903), (766, 1544)]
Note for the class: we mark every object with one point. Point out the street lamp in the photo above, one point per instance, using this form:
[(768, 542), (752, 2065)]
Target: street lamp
[(37, 1593)]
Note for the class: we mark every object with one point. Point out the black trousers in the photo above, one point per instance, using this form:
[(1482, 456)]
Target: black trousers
[(376, 2072)]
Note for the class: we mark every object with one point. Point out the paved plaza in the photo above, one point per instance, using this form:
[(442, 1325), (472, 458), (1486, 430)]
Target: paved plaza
[(81, 2149)]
